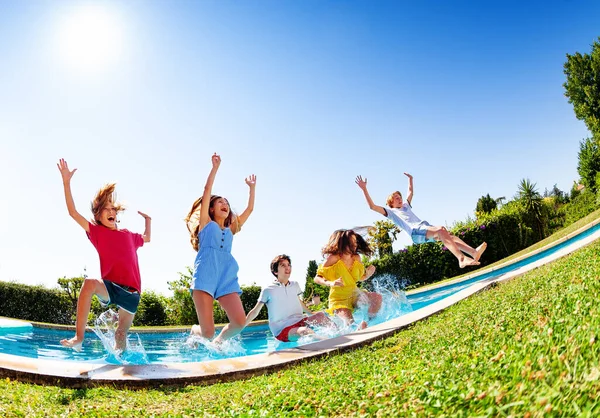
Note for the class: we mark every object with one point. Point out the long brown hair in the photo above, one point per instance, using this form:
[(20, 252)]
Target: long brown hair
[(103, 197), (192, 219), (339, 243)]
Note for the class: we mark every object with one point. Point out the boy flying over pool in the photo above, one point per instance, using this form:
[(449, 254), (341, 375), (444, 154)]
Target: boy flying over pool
[(401, 214), (286, 308)]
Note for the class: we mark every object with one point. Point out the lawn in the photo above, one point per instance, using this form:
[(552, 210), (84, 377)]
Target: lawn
[(523, 348)]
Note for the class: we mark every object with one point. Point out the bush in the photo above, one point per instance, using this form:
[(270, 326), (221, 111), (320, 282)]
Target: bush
[(35, 303), (581, 205), (151, 310)]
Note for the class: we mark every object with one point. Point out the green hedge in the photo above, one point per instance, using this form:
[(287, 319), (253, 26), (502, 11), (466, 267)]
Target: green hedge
[(35, 303)]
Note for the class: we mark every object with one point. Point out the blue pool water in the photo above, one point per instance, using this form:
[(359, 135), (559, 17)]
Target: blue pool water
[(174, 347)]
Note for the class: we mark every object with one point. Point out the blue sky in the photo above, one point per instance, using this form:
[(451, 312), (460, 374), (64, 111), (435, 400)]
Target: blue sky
[(465, 96)]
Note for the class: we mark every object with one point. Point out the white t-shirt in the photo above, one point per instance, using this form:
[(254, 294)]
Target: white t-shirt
[(283, 305), (403, 217)]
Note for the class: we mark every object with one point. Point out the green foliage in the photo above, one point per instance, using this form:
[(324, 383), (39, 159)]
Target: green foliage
[(35, 303), (588, 166), (311, 288), (485, 204), (583, 204), (583, 86), (151, 310), (382, 237)]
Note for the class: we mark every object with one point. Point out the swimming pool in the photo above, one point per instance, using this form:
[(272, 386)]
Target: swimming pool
[(170, 348)]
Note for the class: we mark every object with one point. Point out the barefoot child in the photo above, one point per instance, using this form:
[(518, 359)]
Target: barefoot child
[(342, 270), (120, 283), (212, 224), (402, 215), (286, 308)]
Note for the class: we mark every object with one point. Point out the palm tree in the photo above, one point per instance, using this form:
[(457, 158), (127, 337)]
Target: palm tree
[(531, 199)]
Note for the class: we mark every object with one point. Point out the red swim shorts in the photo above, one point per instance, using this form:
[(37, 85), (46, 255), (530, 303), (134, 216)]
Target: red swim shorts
[(284, 334)]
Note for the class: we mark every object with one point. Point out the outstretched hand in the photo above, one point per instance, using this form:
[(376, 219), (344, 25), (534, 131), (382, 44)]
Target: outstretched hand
[(144, 215), (216, 160), (63, 167), (251, 180), (361, 183)]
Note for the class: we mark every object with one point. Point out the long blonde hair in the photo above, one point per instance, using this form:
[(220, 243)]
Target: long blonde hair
[(192, 220), (103, 197)]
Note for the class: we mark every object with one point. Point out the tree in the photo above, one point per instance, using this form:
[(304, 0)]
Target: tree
[(311, 288), (485, 204), (382, 237), (583, 87), (181, 308), (72, 286), (588, 166), (531, 199)]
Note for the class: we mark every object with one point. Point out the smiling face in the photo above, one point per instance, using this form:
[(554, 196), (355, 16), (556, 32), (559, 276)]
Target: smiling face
[(284, 271), (396, 200), (108, 216), (219, 209)]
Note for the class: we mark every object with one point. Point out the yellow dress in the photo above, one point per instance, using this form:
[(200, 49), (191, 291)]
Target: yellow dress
[(342, 296)]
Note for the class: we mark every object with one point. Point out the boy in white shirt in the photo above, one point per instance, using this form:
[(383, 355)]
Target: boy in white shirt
[(286, 307), (402, 215)]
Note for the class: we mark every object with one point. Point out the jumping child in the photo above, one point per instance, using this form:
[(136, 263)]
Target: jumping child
[(117, 248), (342, 270), (401, 214), (212, 224)]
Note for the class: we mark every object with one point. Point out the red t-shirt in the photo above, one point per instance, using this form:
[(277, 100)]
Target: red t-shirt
[(118, 257)]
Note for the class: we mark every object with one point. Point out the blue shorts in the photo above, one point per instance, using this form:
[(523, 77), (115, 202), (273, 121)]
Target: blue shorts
[(216, 289), (419, 233), (122, 296)]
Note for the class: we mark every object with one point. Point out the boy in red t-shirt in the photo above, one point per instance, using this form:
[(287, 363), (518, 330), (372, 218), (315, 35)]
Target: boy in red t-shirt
[(120, 283)]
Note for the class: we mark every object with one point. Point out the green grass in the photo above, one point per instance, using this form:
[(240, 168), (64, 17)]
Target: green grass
[(528, 347)]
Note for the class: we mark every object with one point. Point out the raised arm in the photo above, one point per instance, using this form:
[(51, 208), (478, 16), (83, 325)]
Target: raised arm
[(254, 313), (409, 195), (147, 229), (241, 219), (204, 216), (363, 185), (66, 174)]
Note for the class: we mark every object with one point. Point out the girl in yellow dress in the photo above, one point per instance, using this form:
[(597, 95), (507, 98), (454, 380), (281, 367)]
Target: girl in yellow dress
[(342, 270)]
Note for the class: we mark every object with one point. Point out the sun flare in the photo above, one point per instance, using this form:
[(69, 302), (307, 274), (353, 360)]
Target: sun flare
[(90, 38)]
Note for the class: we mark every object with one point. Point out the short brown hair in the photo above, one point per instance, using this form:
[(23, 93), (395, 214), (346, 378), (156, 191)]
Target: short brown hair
[(277, 260)]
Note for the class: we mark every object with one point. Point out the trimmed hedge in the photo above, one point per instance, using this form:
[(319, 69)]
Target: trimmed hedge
[(35, 303)]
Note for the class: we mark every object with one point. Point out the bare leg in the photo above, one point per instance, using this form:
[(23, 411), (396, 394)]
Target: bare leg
[(89, 288), (232, 305), (203, 302), (125, 321), (441, 234), (475, 253), (375, 300), (346, 315), (320, 318)]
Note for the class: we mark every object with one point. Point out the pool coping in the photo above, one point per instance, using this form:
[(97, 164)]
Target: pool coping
[(83, 374)]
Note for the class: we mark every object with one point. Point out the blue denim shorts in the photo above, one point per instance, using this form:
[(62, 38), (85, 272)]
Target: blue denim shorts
[(419, 233), (122, 296)]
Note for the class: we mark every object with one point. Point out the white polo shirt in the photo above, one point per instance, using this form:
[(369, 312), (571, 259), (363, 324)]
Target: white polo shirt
[(403, 217), (283, 305)]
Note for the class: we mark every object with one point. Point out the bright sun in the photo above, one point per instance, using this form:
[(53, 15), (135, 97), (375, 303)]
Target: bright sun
[(90, 38)]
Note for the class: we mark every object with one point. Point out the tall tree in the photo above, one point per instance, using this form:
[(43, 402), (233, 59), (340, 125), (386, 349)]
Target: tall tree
[(382, 237), (311, 288), (582, 87), (588, 166), (531, 199)]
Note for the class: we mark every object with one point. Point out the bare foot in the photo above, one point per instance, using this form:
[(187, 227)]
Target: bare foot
[(479, 250), (74, 343), (467, 261), (362, 325)]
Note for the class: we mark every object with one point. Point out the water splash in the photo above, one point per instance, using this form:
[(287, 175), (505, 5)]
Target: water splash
[(105, 328), (202, 348)]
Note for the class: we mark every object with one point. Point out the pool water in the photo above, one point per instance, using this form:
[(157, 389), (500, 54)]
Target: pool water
[(177, 347)]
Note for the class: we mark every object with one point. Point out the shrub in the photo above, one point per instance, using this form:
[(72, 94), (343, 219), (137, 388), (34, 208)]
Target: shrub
[(35, 303)]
